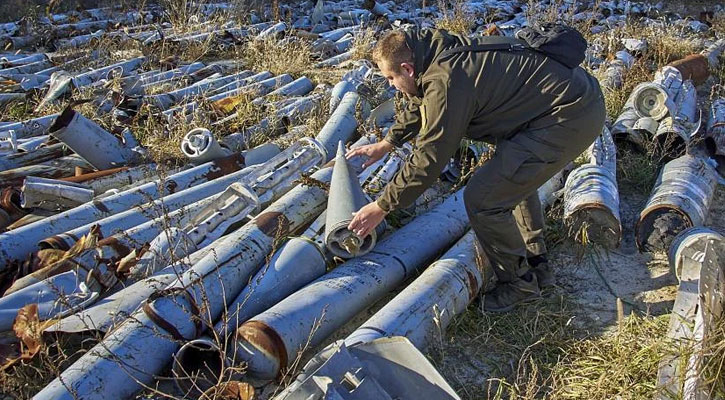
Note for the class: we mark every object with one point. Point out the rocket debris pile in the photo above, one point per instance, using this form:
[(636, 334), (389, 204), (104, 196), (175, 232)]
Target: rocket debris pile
[(240, 253)]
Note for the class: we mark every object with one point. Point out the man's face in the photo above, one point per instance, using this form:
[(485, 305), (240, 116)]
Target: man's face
[(403, 78)]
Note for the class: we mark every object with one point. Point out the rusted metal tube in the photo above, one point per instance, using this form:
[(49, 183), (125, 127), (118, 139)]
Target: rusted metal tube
[(680, 199), (423, 310), (20, 242), (298, 262), (694, 67), (591, 196), (224, 273), (53, 195), (265, 184), (44, 153), (267, 341)]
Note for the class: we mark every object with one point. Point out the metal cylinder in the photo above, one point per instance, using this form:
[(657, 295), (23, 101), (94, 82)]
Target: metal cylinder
[(423, 310), (98, 375), (125, 68), (335, 60), (298, 87), (146, 211), (270, 339), (51, 194), (18, 243), (656, 99), (346, 198), (32, 127), (691, 238), (591, 196), (272, 31), (341, 124), (101, 149), (200, 146), (713, 53), (680, 199)]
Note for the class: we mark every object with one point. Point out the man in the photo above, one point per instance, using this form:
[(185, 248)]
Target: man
[(539, 113)]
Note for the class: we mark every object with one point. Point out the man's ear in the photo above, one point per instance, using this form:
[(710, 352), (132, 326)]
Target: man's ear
[(408, 68)]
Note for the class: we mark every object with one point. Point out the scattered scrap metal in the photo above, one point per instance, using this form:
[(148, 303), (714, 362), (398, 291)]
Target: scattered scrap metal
[(203, 266)]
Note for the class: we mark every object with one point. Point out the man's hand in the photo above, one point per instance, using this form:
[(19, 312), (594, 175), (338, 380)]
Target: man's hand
[(374, 152), (366, 219)]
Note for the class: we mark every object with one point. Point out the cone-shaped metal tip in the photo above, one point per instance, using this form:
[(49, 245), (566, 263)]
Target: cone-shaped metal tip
[(346, 197)]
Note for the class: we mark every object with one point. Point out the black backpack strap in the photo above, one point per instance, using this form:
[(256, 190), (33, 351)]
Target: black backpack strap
[(517, 46)]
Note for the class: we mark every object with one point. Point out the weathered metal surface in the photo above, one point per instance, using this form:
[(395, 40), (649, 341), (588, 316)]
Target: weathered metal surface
[(200, 146), (346, 198), (697, 254), (44, 153), (122, 68), (20, 242), (54, 169), (222, 273), (340, 125), (680, 199), (165, 101), (715, 134), (264, 184), (656, 99), (31, 127), (423, 310), (384, 369), (591, 196), (97, 146), (52, 194), (305, 316), (299, 87)]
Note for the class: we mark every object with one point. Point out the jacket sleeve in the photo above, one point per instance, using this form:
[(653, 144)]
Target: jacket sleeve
[(445, 112), (406, 125)]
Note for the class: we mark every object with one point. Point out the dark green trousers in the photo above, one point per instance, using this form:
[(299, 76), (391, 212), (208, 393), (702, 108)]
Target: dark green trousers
[(501, 197)]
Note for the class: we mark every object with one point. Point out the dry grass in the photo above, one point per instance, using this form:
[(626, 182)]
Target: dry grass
[(362, 45), (455, 19), (24, 379), (292, 57), (536, 352), (714, 366), (620, 365)]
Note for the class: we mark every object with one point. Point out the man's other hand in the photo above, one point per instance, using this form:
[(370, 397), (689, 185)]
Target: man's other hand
[(374, 152), (366, 219)]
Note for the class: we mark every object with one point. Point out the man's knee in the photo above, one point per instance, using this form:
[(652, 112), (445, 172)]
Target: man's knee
[(474, 200)]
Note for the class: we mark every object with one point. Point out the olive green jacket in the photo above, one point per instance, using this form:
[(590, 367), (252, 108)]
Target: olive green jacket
[(485, 96)]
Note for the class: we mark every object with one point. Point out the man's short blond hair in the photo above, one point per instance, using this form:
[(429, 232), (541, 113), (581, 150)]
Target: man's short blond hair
[(393, 49)]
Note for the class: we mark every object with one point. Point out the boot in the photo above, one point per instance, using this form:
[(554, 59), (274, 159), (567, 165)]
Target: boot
[(505, 296), (540, 266)]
